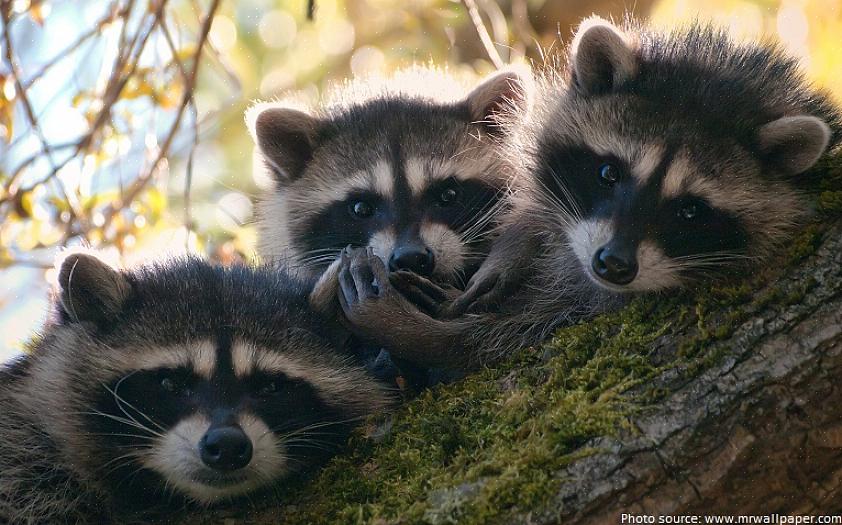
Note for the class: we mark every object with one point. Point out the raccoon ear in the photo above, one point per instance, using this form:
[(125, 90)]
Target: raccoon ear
[(602, 57), (794, 143), (91, 290), (286, 137), (508, 91)]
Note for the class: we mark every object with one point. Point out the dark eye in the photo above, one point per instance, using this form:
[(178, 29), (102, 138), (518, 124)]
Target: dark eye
[(692, 211), (609, 174), (448, 196), (174, 385), (267, 389), (361, 209)]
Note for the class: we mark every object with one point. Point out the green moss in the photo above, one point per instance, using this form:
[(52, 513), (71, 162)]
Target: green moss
[(487, 447)]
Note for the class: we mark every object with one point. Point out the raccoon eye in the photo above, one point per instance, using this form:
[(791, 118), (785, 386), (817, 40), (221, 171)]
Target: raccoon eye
[(174, 386), (361, 209), (448, 196), (609, 174), (691, 211), (267, 389)]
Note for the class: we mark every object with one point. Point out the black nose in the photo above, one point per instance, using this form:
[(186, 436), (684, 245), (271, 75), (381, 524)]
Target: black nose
[(225, 448), (415, 259), (614, 267)]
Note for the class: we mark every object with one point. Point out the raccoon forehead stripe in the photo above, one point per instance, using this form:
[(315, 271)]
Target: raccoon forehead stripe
[(199, 357), (321, 191), (418, 174), (646, 163), (677, 174)]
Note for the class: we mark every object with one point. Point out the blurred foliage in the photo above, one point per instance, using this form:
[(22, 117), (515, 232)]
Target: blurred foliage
[(127, 134)]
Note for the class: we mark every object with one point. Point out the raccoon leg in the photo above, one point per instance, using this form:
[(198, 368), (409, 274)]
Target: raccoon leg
[(376, 312), (506, 266)]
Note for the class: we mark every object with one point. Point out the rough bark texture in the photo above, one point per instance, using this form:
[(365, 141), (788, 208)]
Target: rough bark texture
[(759, 433)]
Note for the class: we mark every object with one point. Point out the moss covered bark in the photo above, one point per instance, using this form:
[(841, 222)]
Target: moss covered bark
[(668, 405)]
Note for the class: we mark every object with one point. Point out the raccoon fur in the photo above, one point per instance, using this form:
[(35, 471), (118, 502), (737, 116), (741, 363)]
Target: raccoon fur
[(171, 385), (655, 160), (407, 166)]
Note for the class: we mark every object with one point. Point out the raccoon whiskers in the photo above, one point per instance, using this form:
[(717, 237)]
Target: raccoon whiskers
[(125, 460), (128, 422), (121, 402), (569, 208), (308, 428), (478, 223)]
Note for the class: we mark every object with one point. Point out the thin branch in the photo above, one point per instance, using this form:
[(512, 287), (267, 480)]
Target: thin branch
[(140, 183), (97, 29), (484, 37)]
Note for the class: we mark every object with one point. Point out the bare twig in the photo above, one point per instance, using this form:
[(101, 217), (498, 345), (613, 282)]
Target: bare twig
[(140, 183), (484, 37)]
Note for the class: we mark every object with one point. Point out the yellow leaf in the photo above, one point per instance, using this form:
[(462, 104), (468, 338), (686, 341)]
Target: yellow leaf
[(6, 123), (38, 12)]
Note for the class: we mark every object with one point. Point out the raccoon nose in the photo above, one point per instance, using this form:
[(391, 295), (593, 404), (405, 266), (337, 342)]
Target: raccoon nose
[(415, 259), (614, 267), (225, 448)]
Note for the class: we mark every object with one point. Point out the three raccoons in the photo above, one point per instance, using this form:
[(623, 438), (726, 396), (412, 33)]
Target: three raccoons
[(653, 160), (172, 383), (650, 161)]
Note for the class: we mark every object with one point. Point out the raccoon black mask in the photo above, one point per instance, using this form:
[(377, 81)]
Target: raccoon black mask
[(175, 382)]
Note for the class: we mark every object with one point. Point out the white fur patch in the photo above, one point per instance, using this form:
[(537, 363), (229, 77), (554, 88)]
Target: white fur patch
[(199, 357), (417, 174), (647, 162), (675, 181), (381, 179), (586, 237), (447, 248), (655, 269), (243, 356), (319, 193), (383, 242), (176, 457)]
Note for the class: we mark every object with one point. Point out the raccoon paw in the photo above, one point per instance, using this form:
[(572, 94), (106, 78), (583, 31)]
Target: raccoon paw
[(366, 296), (486, 290), (362, 275), (423, 293)]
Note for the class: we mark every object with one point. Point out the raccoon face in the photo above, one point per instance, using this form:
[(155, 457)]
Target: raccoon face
[(652, 196), (209, 394), (435, 229), (418, 181), (213, 419)]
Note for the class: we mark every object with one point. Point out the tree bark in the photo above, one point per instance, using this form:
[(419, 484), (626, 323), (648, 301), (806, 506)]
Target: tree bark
[(757, 434)]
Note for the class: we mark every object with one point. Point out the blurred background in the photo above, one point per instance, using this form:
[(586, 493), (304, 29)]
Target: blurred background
[(121, 122)]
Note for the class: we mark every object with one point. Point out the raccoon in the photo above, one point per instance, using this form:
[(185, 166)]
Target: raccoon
[(415, 176), (656, 160), (172, 385)]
